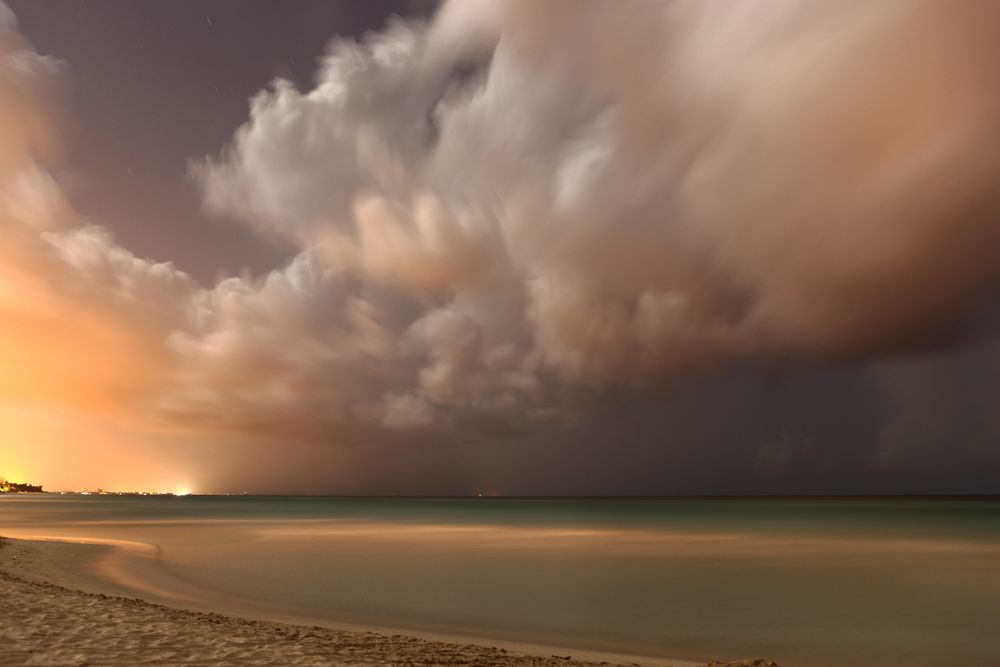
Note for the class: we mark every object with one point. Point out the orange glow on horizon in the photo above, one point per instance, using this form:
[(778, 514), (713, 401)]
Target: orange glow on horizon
[(60, 350), (65, 449), (71, 376)]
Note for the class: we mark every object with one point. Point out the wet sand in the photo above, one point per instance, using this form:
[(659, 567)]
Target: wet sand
[(56, 611)]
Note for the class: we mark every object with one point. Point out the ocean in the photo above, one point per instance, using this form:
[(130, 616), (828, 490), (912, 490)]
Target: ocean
[(810, 582)]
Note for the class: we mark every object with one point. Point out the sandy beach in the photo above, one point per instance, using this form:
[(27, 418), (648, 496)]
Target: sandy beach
[(56, 613)]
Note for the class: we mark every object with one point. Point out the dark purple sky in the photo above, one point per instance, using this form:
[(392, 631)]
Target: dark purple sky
[(154, 84)]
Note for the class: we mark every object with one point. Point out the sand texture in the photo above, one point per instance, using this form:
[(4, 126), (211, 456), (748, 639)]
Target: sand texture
[(47, 624)]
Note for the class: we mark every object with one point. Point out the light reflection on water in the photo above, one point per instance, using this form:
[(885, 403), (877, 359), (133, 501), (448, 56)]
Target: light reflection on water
[(808, 582)]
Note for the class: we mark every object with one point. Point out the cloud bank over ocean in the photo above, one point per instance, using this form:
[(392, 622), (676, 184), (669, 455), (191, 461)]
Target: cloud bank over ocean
[(505, 213)]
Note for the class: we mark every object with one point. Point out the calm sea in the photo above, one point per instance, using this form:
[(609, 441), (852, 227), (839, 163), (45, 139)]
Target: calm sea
[(806, 582)]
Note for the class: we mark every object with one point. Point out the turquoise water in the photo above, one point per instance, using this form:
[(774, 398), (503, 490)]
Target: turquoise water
[(806, 582)]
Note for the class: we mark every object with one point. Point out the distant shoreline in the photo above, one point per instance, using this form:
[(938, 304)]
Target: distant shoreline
[(816, 497)]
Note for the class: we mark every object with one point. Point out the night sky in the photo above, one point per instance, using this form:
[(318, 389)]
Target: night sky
[(480, 257)]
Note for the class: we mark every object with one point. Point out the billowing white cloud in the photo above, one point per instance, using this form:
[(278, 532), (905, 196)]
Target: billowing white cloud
[(522, 202), (538, 197)]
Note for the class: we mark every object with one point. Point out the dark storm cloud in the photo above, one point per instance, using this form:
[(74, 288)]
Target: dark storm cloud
[(804, 181), (525, 239)]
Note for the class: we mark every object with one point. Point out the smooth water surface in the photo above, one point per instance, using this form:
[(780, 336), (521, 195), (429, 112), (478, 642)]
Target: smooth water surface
[(806, 582)]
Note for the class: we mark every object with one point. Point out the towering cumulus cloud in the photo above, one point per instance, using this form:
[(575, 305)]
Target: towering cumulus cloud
[(523, 203), (525, 199)]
